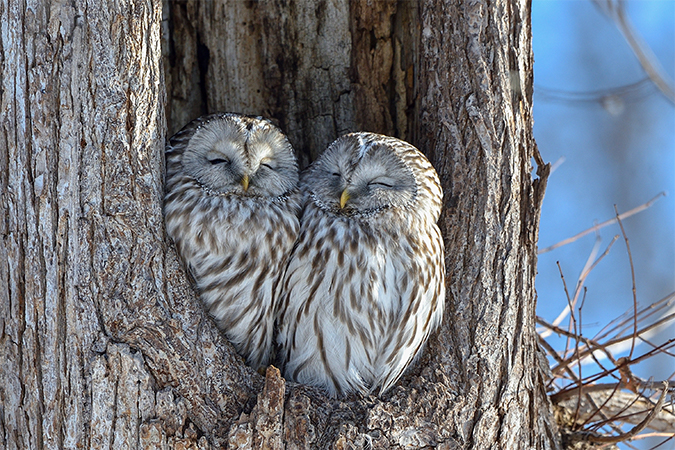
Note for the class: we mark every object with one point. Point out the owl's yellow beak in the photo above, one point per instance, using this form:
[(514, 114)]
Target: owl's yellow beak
[(343, 198), (244, 182)]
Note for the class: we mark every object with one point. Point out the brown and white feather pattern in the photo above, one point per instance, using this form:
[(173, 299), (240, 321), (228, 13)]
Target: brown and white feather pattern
[(235, 239), (365, 283)]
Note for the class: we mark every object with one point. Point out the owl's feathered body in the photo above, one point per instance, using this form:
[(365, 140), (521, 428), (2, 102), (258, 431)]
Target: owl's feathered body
[(231, 207), (365, 283)]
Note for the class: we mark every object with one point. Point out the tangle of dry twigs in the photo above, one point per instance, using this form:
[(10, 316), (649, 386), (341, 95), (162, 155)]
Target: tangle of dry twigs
[(608, 403)]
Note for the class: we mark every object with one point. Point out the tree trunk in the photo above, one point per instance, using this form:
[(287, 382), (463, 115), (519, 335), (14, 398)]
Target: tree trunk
[(102, 340)]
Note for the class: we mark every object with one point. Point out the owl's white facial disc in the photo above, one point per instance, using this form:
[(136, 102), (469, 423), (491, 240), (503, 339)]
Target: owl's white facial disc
[(243, 156), (361, 177)]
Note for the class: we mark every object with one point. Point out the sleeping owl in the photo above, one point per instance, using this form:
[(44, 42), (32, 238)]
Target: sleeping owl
[(364, 286), (231, 207)]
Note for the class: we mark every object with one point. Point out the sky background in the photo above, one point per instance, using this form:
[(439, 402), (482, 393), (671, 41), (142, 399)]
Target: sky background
[(621, 153)]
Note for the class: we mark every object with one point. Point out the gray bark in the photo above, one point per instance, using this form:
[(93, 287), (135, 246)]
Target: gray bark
[(102, 341)]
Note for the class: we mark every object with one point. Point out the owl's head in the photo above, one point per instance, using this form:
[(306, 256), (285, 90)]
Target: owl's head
[(364, 174), (241, 155)]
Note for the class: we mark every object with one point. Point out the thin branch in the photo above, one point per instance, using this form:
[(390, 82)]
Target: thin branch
[(576, 352), (551, 351), (593, 378), (637, 428), (600, 387), (588, 267), (648, 60), (643, 314), (650, 64), (566, 309), (625, 413), (603, 224), (564, 392), (651, 344), (567, 295), (643, 330), (632, 275), (559, 162), (590, 343), (664, 442), (629, 92), (654, 434), (587, 270), (622, 408)]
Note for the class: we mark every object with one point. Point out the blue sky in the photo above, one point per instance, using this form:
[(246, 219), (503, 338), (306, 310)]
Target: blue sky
[(622, 155)]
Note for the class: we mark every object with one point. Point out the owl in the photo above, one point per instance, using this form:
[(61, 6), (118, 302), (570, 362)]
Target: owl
[(364, 286), (231, 207)]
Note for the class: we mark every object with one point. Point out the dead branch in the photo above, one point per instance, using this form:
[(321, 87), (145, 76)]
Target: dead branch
[(603, 224), (653, 412), (616, 11)]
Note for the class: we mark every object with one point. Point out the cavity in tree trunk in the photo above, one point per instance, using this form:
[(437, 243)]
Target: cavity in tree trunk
[(102, 340)]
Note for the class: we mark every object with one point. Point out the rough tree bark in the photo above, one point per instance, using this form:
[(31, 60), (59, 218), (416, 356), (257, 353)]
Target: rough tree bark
[(102, 341)]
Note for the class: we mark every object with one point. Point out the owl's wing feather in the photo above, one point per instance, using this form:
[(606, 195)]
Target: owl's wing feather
[(423, 310)]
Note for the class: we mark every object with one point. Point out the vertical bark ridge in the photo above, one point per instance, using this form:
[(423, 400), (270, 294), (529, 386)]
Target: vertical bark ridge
[(491, 257), (96, 317)]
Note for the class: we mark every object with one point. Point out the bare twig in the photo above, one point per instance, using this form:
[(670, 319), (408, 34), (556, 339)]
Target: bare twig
[(646, 312), (593, 345), (567, 295), (632, 275), (576, 352), (603, 387), (582, 278), (559, 162), (551, 351), (593, 378), (628, 92), (603, 224), (653, 327), (651, 435), (620, 366), (566, 364), (637, 428), (648, 342), (664, 442), (625, 412), (644, 54)]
